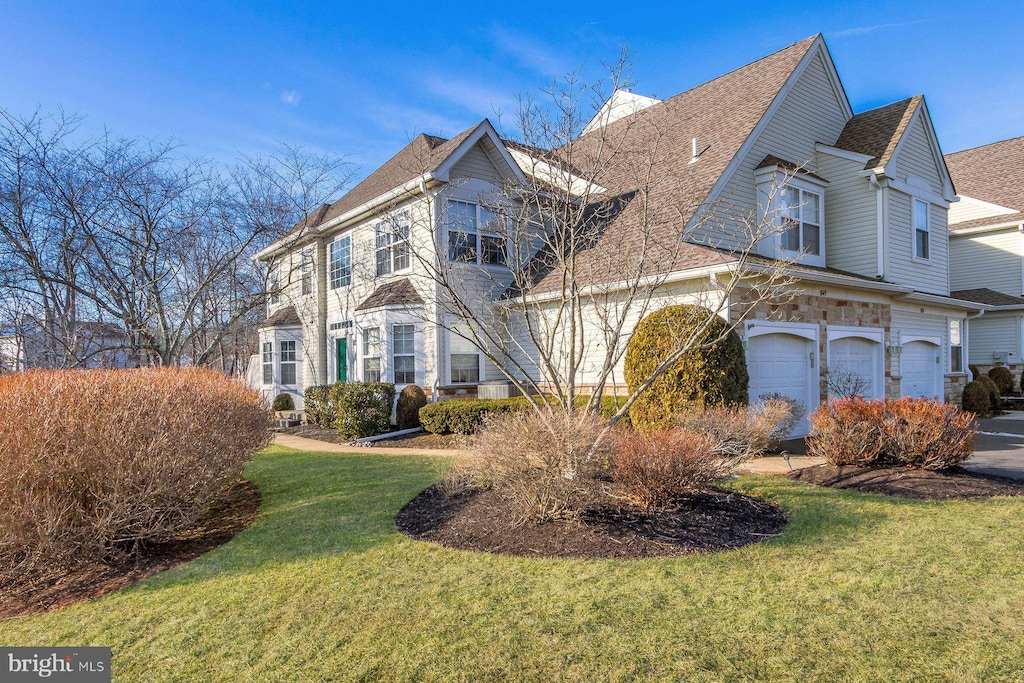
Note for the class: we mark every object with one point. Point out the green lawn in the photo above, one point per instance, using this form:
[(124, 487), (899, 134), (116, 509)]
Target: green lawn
[(323, 587)]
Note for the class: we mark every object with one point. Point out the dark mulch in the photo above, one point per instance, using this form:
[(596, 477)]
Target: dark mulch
[(48, 590), (907, 482), (705, 522), (420, 440)]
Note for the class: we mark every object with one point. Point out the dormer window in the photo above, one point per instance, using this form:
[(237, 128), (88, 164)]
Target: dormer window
[(791, 203)]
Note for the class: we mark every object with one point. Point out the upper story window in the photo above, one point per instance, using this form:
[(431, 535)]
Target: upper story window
[(473, 236), (306, 273), (800, 220), (392, 245), (341, 262), (922, 233), (288, 358)]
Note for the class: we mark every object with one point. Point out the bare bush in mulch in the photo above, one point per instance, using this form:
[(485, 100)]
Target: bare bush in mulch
[(910, 482)]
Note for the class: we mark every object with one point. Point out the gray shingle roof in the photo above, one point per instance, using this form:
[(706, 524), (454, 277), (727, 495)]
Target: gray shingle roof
[(992, 173), (877, 132), (397, 293), (988, 296), (285, 317)]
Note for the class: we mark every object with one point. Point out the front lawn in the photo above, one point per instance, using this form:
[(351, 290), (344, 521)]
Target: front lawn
[(323, 587)]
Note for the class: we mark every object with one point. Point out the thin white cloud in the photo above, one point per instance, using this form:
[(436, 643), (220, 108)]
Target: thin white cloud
[(864, 30), (530, 53), (292, 97), (479, 99)]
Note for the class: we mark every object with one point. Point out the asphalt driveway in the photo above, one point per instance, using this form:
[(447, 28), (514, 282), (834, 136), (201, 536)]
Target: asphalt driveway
[(999, 446)]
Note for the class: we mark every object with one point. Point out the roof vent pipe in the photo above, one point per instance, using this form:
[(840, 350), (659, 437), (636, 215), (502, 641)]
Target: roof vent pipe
[(696, 155)]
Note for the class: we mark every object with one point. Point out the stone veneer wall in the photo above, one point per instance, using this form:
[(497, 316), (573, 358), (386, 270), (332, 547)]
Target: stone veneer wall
[(825, 311)]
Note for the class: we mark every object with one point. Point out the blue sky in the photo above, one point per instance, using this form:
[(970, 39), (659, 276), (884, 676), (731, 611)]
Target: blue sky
[(361, 79)]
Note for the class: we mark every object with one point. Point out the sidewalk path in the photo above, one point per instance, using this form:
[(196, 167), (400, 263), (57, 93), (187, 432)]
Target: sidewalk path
[(304, 444)]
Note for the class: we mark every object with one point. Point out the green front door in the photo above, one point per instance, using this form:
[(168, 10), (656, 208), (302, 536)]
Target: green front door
[(342, 360)]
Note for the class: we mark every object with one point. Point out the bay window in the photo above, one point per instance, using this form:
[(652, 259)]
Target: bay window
[(288, 358), (268, 362), (403, 353), (371, 355)]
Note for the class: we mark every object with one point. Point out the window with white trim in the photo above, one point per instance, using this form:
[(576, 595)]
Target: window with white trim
[(340, 274), (392, 250), (800, 220), (922, 233), (464, 357), (274, 286), (371, 355), (403, 353), (288, 362), (306, 273), (268, 362), (474, 235), (956, 346)]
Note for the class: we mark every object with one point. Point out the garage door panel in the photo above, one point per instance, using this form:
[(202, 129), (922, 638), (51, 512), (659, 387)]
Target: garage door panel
[(854, 364), (781, 363), (919, 363)]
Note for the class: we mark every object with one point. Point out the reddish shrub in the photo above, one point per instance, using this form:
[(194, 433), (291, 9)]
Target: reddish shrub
[(94, 462), (914, 432), (654, 468)]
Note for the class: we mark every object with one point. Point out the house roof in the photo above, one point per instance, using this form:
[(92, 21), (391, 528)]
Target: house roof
[(992, 173), (877, 132), (987, 296), (397, 293), (285, 317), (721, 114)]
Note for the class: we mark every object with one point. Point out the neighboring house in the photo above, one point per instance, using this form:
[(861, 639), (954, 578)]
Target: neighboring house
[(986, 245), (867, 198), (90, 344)]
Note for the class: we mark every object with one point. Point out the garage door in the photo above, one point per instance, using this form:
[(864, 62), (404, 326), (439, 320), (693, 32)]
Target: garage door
[(781, 363), (920, 365), (854, 367)]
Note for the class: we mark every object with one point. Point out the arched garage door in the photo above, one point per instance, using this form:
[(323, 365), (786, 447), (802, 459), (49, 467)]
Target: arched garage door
[(854, 364), (782, 363), (920, 364)]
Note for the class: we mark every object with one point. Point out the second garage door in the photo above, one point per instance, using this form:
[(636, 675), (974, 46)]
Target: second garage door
[(782, 363)]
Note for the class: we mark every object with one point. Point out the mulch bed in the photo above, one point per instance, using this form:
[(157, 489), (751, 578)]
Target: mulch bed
[(23, 595), (907, 482), (420, 440), (705, 522)]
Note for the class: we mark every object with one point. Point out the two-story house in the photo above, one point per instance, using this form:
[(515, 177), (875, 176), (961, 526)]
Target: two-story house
[(986, 244), (861, 202)]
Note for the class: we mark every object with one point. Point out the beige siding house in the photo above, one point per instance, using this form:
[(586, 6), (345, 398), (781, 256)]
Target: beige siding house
[(869, 193)]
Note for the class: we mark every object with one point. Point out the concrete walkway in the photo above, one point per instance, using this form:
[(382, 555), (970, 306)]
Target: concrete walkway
[(303, 444)]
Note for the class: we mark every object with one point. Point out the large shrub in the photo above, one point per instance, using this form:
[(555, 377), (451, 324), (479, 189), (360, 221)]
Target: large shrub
[(545, 463), (407, 410), (913, 432), (976, 399), (710, 376), (1003, 379), (95, 462), (363, 408), (319, 407), (653, 469)]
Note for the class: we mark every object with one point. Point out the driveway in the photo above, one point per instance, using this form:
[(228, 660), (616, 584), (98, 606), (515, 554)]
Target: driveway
[(999, 446)]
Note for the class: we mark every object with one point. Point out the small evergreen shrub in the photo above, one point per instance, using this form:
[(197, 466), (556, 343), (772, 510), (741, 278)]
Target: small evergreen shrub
[(410, 400), (364, 409), (994, 400), (976, 399), (712, 376), (653, 469), (319, 407), (283, 402), (911, 432), (1003, 379)]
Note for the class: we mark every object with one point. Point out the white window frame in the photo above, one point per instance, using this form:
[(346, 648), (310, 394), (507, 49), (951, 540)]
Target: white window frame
[(370, 351), (405, 352), (771, 182), (340, 262), (960, 325), (454, 338), (392, 252), (926, 230), (480, 217), (802, 208), (289, 359), (268, 362), (306, 273)]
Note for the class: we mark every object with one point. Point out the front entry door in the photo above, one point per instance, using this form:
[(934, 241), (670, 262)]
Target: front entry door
[(342, 360)]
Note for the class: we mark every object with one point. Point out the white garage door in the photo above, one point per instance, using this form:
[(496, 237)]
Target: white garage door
[(781, 363), (854, 367), (920, 365)]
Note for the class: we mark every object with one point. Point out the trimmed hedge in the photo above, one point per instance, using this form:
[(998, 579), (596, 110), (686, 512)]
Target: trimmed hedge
[(467, 415), (319, 407), (976, 399), (993, 392), (1003, 379), (705, 377), (363, 408), (407, 412)]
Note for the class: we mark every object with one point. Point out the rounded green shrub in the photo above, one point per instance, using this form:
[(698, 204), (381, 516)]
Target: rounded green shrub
[(364, 409), (1003, 379), (976, 399), (410, 400), (993, 392), (284, 402), (318, 406), (709, 376)]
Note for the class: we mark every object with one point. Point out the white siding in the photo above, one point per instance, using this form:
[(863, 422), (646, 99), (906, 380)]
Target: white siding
[(908, 321), (476, 164), (991, 260), (932, 276), (915, 158), (851, 217), (993, 332), (810, 113)]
